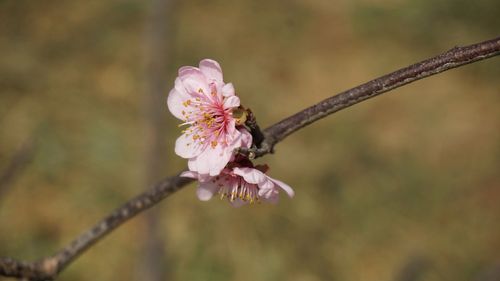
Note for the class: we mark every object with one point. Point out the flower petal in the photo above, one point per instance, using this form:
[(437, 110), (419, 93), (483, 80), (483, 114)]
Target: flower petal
[(273, 198), (193, 164), (237, 137), (211, 69), (181, 89), (289, 191), (185, 71), (193, 80), (189, 174), (246, 138), (211, 161), (269, 195), (199, 165), (206, 190), (186, 147), (174, 103), (250, 175), (218, 158), (228, 90), (232, 101), (194, 175)]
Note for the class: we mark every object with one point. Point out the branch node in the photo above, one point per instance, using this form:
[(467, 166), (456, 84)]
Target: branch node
[(255, 152)]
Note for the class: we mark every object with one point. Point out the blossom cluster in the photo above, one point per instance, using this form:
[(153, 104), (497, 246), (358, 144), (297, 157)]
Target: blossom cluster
[(210, 113)]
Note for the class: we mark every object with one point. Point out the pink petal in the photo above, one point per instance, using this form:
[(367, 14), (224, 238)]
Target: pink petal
[(189, 174), (189, 70), (212, 70), (284, 186), (267, 185), (269, 195), (250, 175), (194, 175), (232, 101), (211, 161), (198, 164), (231, 133), (186, 147), (273, 198), (246, 138), (238, 137), (181, 89), (206, 190), (193, 164), (193, 80), (268, 191), (228, 90), (174, 103), (218, 158)]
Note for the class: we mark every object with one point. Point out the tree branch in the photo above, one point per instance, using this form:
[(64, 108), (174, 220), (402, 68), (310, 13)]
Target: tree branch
[(455, 57), (48, 268)]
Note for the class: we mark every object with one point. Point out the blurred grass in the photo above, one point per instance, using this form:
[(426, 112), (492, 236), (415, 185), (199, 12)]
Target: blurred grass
[(411, 173)]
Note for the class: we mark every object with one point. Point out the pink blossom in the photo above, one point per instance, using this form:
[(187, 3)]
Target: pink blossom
[(240, 185), (205, 104)]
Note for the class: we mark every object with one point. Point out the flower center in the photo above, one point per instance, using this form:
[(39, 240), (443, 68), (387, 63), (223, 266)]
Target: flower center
[(208, 118), (234, 187)]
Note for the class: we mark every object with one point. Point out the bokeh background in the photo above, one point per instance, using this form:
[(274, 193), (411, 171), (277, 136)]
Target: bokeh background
[(402, 187)]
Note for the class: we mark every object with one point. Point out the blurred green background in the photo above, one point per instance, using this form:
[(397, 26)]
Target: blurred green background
[(406, 185)]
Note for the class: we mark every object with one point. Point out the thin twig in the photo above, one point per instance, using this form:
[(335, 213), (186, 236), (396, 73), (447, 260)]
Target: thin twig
[(48, 268), (455, 57)]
